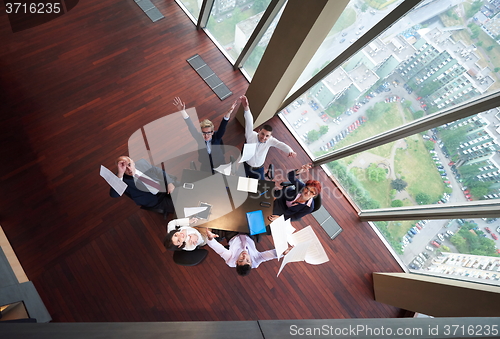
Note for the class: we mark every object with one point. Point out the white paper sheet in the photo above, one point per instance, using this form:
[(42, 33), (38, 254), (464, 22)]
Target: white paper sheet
[(118, 185), (298, 253), (189, 211), (248, 152), (224, 169), (281, 230), (315, 253), (247, 184)]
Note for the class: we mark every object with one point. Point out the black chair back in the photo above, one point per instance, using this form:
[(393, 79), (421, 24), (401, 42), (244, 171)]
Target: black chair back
[(190, 258)]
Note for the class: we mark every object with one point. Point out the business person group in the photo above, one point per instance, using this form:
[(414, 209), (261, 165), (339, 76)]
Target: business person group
[(150, 187)]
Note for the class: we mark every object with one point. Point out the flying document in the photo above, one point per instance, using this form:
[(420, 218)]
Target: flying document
[(307, 246), (248, 152), (189, 211), (224, 169), (118, 185)]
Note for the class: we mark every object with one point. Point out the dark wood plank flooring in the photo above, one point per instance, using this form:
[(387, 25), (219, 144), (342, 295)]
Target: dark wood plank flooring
[(72, 92)]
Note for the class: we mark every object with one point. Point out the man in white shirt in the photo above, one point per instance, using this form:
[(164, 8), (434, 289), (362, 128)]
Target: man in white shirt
[(254, 167), (241, 253)]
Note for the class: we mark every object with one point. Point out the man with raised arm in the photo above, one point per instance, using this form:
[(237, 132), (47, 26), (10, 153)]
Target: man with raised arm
[(254, 167), (209, 141), (241, 252)]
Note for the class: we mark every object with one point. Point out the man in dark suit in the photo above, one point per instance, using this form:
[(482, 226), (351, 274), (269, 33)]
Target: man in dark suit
[(146, 185), (210, 145)]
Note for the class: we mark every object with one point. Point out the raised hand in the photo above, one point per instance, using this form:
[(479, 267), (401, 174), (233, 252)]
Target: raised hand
[(179, 104), (122, 166), (244, 102), (210, 235), (231, 109), (304, 168)]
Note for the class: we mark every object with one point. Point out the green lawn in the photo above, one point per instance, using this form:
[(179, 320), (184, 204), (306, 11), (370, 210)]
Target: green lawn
[(378, 191), (387, 121), (418, 169)]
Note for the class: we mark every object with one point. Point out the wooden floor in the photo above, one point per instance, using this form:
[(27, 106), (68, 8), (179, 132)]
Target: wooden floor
[(72, 91)]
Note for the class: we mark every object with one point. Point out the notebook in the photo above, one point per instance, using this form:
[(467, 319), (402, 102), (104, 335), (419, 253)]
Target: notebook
[(256, 222)]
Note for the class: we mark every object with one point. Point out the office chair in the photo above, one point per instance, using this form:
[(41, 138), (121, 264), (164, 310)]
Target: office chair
[(190, 258)]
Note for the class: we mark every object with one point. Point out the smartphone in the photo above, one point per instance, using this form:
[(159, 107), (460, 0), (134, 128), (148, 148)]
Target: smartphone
[(188, 185)]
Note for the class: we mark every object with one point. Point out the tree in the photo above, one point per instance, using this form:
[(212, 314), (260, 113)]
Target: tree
[(423, 198), (399, 184), (489, 48), (459, 242), (429, 145), (396, 203), (497, 69), (323, 129), (313, 135), (479, 191), (375, 173), (476, 5), (418, 114)]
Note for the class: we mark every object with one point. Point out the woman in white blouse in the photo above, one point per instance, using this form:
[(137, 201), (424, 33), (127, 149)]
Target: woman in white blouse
[(182, 236)]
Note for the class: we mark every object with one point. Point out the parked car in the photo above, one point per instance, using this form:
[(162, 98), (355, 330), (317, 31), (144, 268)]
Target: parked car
[(435, 244), (487, 229), (440, 236), (494, 236), (428, 248)]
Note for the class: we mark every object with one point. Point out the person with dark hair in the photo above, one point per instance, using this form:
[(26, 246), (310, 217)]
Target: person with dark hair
[(209, 141), (182, 236), (297, 200), (241, 253), (148, 186), (254, 167)]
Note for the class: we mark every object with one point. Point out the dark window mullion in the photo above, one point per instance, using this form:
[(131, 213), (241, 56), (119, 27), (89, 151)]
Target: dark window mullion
[(267, 18), (206, 8)]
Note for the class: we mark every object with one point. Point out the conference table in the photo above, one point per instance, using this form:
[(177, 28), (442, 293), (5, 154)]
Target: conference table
[(229, 205)]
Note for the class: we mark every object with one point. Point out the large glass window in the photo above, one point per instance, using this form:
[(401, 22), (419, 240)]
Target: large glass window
[(232, 22)]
